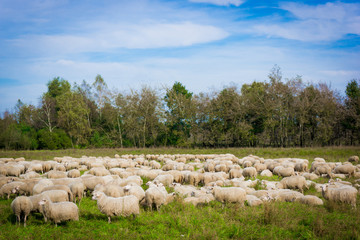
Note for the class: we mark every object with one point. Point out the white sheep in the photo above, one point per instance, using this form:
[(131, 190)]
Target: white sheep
[(74, 173), (121, 206), (157, 196), (135, 190), (78, 190), (58, 212), (21, 205), (249, 172), (41, 185), (293, 182), (229, 195), (166, 179), (344, 194), (345, 169), (310, 200)]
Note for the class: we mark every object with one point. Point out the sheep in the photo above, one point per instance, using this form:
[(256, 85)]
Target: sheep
[(286, 172), (74, 173), (60, 187), (8, 188), (285, 195), (229, 194), (183, 190), (121, 206), (13, 171), (345, 169), (196, 201), (266, 173), (57, 195), (249, 172), (253, 200), (310, 200), (293, 182), (235, 173), (56, 174), (58, 212), (301, 167), (345, 194), (157, 196), (91, 182), (99, 171), (209, 167), (354, 159), (166, 179), (77, 189), (30, 175), (135, 190), (41, 185), (310, 176), (260, 167), (323, 169), (21, 205), (154, 164), (195, 178), (113, 190), (26, 186)]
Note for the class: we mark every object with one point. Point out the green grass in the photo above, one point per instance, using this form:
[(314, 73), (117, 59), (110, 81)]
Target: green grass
[(329, 153), (181, 221)]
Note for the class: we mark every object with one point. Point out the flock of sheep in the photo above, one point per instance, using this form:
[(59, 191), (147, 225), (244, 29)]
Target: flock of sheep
[(54, 187)]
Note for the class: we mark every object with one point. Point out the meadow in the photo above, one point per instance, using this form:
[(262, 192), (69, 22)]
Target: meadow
[(274, 220)]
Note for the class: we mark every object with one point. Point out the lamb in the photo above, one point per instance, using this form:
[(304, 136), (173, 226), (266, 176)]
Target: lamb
[(135, 190), (229, 194), (345, 194), (310, 200), (21, 205), (249, 172), (77, 189), (58, 212), (122, 206), (293, 182), (157, 196)]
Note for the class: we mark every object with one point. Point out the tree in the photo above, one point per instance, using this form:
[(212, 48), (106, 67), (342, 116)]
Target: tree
[(179, 114), (101, 93)]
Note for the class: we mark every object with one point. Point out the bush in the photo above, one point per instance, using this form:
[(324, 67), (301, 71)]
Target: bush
[(57, 139)]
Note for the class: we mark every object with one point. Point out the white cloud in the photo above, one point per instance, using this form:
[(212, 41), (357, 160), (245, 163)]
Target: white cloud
[(121, 36), (220, 2), (327, 22)]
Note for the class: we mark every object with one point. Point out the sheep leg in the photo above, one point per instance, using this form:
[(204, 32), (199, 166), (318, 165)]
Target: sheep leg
[(109, 219), (18, 219), (25, 220)]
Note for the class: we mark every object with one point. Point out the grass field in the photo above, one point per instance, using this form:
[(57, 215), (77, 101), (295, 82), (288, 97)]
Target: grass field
[(180, 221)]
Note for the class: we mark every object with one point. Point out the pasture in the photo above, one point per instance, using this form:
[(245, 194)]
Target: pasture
[(177, 220)]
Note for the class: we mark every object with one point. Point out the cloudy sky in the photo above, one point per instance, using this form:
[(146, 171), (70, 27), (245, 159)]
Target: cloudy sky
[(204, 44)]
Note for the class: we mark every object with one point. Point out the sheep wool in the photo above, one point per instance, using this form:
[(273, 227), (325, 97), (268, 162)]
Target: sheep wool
[(59, 212), (21, 205)]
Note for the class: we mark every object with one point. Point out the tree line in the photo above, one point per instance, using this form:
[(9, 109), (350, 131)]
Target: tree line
[(273, 113)]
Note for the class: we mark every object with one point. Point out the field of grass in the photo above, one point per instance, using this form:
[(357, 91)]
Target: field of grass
[(177, 220)]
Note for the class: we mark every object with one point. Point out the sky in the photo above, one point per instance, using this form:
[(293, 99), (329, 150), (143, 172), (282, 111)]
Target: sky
[(204, 44)]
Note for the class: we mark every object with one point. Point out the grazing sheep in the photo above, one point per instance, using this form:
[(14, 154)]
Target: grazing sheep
[(13, 171), (195, 178), (60, 187), (253, 200), (235, 173), (266, 173), (293, 182), (21, 205), (260, 167), (154, 164), (56, 174), (323, 169), (77, 189), (57, 195), (30, 175), (58, 212), (91, 182), (286, 172), (301, 167), (345, 169), (249, 172), (229, 195), (113, 190), (8, 188), (209, 167), (135, 190), (354, 159), (99, 171), (285, 195), (345, 194), (121, 206), (166, 179), (74, 173), (310, 200), (41, 185), (157, 196), (310, 176)]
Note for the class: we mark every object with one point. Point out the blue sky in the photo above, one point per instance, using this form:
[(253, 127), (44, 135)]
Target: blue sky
[(205, 44)]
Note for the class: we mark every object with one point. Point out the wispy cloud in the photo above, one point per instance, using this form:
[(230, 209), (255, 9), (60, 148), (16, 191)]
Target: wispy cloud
[(220, 2), (326, 22), (154, 35)]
